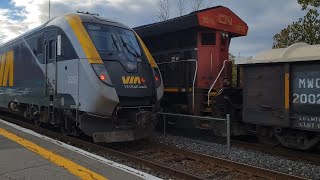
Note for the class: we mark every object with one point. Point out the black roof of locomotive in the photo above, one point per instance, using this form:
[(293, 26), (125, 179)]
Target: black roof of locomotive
[(172, 25)]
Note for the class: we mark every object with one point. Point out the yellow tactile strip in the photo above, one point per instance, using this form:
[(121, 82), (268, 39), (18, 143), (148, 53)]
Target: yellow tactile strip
[(67, 164)]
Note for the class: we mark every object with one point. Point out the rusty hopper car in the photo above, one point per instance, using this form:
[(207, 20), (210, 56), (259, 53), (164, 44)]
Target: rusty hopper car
[(281, 95), (192, 52)]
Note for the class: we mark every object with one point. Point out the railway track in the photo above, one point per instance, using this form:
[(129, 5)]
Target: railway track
[(291, 154), (167, 160)]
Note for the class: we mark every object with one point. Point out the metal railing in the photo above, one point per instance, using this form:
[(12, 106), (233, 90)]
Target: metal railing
[(218, 126), (215, 81)]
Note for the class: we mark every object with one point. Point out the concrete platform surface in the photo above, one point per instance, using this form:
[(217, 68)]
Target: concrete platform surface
[(25, 154)]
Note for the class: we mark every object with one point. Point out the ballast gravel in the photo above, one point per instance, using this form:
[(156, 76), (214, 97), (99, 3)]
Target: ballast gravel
[(259, 159)]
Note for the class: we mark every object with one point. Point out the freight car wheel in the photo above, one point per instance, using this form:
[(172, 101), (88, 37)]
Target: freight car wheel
[(269, 140)]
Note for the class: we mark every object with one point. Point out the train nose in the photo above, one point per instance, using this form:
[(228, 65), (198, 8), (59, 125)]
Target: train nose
[(131, 66), (133, 81)]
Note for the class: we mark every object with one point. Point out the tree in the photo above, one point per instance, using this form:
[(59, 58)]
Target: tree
[(232, 58), (163, 10), (196, 5), (306, 29), (181, 6), (306, 3)]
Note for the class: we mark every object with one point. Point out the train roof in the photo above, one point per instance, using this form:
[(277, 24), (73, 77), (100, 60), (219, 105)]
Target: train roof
[(294, 53), (218, 17), (85, 17)]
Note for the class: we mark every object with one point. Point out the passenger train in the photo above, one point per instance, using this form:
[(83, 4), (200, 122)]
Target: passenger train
[(83, 74)]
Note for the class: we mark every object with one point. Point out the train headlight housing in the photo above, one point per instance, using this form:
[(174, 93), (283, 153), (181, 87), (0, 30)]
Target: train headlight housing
[(157, 77), (102, 73)]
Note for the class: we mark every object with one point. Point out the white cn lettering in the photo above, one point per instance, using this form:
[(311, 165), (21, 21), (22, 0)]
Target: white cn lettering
[(302, 83)]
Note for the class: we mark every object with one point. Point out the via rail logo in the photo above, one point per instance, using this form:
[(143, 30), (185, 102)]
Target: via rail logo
[(6, 69), (134, 82)]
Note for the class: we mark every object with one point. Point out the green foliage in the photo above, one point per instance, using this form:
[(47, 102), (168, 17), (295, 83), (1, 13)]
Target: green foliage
[(234, 70), (306, 3), (306, 29)]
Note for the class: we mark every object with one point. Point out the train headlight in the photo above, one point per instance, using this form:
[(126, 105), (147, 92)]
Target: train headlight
[(102, 73), (157, 76)]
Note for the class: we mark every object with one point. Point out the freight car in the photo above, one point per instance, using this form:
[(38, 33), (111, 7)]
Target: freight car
[(281, 95), (84, 74), (192, 52), (276, 94)]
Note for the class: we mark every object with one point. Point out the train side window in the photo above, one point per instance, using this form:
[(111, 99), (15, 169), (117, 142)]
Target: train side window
[(208, 38), (67, 50), (51, 49), (39, 45)]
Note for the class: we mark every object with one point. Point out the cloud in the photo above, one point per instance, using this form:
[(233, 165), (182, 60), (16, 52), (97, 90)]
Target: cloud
[(9, 28), (264, 17)]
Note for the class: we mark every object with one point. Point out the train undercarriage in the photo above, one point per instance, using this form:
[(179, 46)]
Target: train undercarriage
[(132, 124), (228, 102), (291, 138)]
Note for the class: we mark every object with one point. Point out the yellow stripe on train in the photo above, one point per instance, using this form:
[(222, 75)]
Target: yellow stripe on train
[(6, 68)]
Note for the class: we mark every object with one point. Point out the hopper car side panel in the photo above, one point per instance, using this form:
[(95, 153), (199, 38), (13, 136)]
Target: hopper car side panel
[(305, 96), (264, 95)]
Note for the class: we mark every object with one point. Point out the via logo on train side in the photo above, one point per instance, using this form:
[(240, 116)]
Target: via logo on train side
[(6, 69)]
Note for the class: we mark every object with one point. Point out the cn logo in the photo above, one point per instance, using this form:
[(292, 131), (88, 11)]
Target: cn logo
[(224, 19), (6, 69)]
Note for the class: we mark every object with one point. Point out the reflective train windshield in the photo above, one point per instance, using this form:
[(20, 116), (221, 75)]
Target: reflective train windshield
[(114, 42)]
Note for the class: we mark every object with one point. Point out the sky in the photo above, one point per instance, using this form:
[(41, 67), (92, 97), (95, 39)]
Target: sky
[(265, 18)]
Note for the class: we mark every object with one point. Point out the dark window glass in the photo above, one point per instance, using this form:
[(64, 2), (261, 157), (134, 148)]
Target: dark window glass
[(51, 49), (67, 49), (32, 43), (39, 45), (115, 42), (35, 44), (208, 38)]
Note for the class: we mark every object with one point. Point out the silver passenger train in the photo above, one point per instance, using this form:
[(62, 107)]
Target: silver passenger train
[(83, 74)]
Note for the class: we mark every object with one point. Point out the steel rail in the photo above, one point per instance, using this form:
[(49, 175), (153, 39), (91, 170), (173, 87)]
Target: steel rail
[(101, 149), (232, 165), (248, 169)]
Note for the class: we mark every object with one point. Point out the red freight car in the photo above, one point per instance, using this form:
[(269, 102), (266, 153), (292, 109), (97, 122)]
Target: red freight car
[(192, 52)]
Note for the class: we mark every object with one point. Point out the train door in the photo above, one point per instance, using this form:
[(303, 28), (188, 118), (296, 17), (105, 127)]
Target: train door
[(50, 37), (207, 58)]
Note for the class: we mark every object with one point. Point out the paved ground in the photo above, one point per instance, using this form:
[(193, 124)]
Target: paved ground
[(25, 156)]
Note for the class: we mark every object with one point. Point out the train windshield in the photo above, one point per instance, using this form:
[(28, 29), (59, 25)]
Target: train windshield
[(115, 43)]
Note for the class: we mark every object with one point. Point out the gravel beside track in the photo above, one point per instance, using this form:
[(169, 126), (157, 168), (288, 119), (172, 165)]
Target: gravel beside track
[(312, 156), (205, 166), (158, 164), (276, 163)]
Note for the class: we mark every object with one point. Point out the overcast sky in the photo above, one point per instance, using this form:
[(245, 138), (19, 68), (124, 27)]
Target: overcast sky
[(264, 17)]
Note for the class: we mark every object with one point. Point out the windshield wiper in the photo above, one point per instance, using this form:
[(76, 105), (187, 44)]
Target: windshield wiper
[(114, 42), (134, 52)]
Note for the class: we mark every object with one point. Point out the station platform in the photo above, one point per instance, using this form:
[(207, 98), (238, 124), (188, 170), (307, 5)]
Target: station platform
[(25, 154)]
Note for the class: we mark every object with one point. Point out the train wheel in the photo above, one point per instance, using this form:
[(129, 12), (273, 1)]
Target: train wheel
[(270, 140)]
